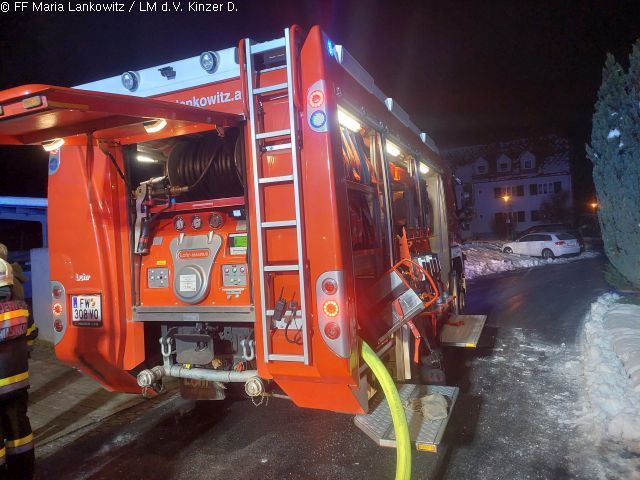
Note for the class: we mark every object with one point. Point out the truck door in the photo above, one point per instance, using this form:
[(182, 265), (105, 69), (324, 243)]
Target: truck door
[(90, 213)]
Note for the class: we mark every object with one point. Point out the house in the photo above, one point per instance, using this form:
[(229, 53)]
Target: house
[(510, 186)]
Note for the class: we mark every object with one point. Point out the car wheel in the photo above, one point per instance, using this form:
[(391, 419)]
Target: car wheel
[(547, 254), (508, 250)]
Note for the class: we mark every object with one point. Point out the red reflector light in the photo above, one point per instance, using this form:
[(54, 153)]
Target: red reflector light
[(330, 308), (57, 292), (329, 286), (57, 325), (332, 330), (316, 98), (560, 243), (57, 309)]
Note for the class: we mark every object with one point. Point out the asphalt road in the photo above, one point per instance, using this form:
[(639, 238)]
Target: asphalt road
[(519, 392)]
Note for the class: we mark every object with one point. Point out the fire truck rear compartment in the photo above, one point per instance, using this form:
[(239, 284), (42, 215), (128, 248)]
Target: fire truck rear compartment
[(192, 278)]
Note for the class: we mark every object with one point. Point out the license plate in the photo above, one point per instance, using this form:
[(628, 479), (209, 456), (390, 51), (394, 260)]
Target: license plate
[(86, 310)]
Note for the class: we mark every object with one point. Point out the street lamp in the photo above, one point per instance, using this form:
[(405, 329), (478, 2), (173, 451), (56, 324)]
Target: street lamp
[(508, 221)]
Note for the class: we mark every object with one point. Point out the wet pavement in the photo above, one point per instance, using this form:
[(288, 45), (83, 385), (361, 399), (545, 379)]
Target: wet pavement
[(514, 419)]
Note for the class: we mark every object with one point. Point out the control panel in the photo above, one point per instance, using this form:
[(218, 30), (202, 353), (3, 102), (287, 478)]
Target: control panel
[(197, 257), (158, 277), (234, 275)]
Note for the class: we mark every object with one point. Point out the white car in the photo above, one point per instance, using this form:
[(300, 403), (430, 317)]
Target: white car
[(545, 245)]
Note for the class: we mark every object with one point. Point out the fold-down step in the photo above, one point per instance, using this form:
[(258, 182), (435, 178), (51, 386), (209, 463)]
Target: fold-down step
[(462, 330), (426, 434)]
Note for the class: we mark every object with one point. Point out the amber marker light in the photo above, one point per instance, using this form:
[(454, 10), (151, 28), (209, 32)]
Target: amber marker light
[(331, 308)]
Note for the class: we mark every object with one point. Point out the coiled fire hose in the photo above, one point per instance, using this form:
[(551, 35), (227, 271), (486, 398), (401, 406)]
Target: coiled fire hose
[(400, 426)]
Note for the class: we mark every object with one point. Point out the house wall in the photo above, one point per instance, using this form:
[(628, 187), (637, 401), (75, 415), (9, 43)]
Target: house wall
[(512, 167), (486, 205)]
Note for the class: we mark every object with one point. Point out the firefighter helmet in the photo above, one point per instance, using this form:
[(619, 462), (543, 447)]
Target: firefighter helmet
[(6, 273)]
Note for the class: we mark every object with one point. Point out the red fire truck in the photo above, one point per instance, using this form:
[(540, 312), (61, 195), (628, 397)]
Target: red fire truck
[(249, 216)]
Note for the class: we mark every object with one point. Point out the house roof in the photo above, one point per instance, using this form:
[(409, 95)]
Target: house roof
[(552, 154)]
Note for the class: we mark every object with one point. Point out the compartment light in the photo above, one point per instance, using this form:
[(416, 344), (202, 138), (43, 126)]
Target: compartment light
[(145, 159), (392, 149), (348, 121), (423, 169), (51, 145), (153, 126)]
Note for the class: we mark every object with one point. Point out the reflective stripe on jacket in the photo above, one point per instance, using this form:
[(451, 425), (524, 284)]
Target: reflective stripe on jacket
[(14, 365)]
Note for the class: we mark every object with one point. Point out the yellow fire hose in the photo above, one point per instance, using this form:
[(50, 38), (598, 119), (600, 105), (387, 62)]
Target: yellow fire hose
[(400, 426)]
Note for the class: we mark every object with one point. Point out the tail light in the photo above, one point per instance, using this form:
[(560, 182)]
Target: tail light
[(332, 330), (560, 242), (329, 286), (59, 311), (58, 326), (333, 321)]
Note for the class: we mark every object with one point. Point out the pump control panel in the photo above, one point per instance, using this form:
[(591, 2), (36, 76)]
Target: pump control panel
[(234, 275), (158, 277), (194, 263)]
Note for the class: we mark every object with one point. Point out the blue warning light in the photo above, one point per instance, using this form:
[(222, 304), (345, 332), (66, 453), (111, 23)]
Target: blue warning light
[(318, 119), (330, 48)]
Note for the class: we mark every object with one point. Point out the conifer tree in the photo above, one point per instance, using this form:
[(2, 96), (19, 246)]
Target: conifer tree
[(615, 153)]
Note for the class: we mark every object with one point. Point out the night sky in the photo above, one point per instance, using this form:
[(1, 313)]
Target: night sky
[(467, 72)]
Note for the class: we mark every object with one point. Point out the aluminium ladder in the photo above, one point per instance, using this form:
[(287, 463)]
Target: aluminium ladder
[(275, 47)]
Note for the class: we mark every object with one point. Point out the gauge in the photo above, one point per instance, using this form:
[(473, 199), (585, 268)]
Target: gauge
[(196, 222), (179, 223), (215, 220)]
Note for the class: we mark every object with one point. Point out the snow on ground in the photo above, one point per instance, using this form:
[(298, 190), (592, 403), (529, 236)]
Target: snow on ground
[(534, 385), (610, 407), (612, 370), (484, 258)]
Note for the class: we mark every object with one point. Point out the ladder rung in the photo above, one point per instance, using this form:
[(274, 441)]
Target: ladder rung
[(282, 179), (271, 88), (281, 223), (275, 133), (266, 46), (281, 268), (272, 69), (279, 146), (286, 358)]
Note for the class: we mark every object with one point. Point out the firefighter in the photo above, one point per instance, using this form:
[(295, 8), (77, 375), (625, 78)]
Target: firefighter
[(6, 280), (19, 278), (17, 292), (17, 457)]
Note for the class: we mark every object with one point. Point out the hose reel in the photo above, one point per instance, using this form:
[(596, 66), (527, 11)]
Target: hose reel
[(208, 167)]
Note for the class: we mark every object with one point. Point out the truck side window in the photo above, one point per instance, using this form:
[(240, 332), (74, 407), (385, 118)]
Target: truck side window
[(405, 206), (365, 233), (355, 152)]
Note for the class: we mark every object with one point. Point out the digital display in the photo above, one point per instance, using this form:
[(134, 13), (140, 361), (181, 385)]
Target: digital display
[(238, 244), (238, 241)]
